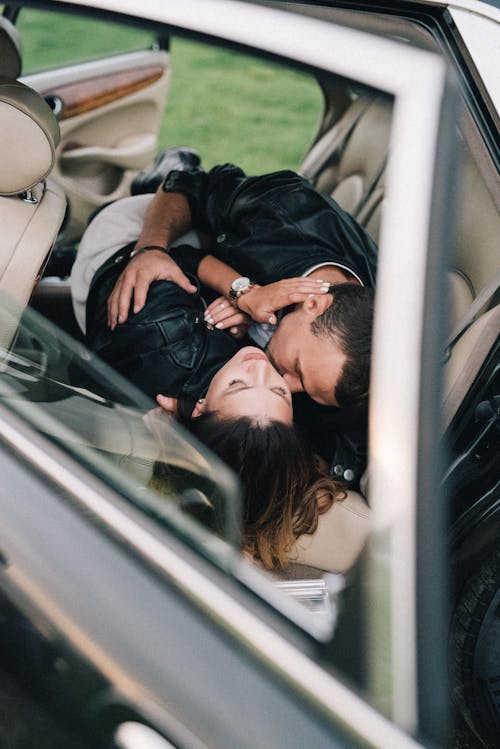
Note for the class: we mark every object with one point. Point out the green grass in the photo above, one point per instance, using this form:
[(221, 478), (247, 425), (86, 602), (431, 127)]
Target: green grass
[(239, 109), (230, 107)]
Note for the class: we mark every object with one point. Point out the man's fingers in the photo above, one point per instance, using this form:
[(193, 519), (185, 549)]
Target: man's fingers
[(140, 291), (124, 298), (183, 281)]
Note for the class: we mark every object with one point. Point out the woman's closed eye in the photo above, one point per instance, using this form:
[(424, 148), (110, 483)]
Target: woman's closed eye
[(280, 391), (236, 382), (277, 389)]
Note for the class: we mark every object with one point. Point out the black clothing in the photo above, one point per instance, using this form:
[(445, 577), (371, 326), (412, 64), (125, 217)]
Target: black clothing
[(166, 347), (278, 226), (272, 227)]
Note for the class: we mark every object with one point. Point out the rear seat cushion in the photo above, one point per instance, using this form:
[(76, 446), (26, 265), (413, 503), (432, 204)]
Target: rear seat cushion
[(339, 538)]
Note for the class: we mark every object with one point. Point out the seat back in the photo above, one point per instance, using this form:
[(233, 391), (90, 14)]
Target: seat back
[(348, 163), (31, 208)]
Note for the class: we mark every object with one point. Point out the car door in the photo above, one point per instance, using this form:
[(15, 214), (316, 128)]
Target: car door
[(287, 687), (109, 98)]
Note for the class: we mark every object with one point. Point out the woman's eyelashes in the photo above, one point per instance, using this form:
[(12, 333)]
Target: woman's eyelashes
[(277, 389), (236, 382), (280, 390)]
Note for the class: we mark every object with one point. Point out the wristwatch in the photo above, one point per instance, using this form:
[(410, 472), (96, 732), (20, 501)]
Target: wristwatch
[(239, 287)]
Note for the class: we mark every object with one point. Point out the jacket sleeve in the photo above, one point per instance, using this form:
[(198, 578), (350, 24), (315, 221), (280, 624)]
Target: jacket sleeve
[(210, 194)]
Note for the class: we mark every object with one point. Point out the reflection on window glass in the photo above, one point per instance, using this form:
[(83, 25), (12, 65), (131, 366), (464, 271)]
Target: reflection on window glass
[(84, 407), (56, 39)]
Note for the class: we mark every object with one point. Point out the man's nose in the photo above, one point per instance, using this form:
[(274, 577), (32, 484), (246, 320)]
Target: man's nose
[(294, 383)]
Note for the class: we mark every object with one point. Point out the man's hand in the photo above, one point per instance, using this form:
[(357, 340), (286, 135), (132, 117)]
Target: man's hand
[(261, 302), (222, 314), (135, 280)]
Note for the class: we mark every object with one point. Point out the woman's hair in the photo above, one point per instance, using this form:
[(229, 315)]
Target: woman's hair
[(284, 491)]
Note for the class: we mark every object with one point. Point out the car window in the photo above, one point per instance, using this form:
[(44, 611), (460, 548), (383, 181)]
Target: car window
[(45, 39), (85, 408), (369, 605), (235, 108)]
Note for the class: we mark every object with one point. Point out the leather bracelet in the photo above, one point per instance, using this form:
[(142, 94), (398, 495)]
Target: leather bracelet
[(147, 247)]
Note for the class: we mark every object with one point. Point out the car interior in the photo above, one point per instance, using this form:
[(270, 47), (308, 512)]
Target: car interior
[(347, 160)]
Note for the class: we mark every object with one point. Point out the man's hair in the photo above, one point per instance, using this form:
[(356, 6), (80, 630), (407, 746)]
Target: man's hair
[(284, 491), (349, 320)]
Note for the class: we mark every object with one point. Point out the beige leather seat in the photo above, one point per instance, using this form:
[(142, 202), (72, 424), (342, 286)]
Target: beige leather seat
[(31, 207), (348, 161), (339, 538)]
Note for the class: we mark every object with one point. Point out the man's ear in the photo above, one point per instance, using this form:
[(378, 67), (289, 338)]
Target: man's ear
[(314, 306), (199, 408)]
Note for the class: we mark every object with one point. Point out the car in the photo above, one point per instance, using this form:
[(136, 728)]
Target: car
[(129, 616)]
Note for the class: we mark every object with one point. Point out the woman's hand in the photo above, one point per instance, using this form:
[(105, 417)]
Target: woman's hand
[(261, 302), (222, 314), (135, 280)]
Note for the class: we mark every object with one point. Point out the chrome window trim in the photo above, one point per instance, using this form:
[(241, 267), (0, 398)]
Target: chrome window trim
[(335, 701)]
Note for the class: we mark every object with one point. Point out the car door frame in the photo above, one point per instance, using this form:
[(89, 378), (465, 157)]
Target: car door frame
[(404, 311)]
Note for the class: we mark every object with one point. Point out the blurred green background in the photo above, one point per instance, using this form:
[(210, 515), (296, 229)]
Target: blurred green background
[(228, 106)]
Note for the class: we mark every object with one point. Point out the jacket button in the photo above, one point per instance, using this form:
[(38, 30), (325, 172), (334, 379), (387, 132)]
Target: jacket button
[(221, 238), (338, 470), (348, 474)]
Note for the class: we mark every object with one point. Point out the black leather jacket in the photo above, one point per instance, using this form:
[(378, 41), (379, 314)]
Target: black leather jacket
[(166, 347), (273, 226)]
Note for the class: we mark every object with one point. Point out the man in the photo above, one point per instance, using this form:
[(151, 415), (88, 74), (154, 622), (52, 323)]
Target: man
[(269, 228)]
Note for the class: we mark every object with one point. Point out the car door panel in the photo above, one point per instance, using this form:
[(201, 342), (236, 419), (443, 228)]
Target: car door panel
[(109, 115)]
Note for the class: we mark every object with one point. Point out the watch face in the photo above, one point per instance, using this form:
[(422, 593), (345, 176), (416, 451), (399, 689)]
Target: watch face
[(240, 283)]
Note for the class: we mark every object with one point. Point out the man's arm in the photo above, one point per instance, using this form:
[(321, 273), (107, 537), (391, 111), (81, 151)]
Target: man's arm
[(167, 218)]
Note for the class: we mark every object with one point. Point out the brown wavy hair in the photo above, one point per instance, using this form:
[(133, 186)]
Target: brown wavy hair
[(284, 489)]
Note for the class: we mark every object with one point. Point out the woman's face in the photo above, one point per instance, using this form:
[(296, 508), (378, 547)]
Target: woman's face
[(248, 385)]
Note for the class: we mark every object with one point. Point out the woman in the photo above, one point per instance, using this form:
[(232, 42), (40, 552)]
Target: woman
[(229, 397)]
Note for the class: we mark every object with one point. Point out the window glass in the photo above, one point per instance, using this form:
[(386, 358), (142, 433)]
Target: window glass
[(57, 39), (239, 109), (88, 410)]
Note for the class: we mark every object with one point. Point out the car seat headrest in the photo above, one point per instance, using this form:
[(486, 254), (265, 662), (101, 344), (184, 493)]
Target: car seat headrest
[(10, 49), (30, 134)]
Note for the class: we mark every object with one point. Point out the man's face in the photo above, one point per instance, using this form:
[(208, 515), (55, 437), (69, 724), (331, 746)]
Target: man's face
[(307, 362)]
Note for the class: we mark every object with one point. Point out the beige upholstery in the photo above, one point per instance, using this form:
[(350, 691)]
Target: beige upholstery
[(348, 161), (339, 538), (31, 210), (30, 134), (467, 357)]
